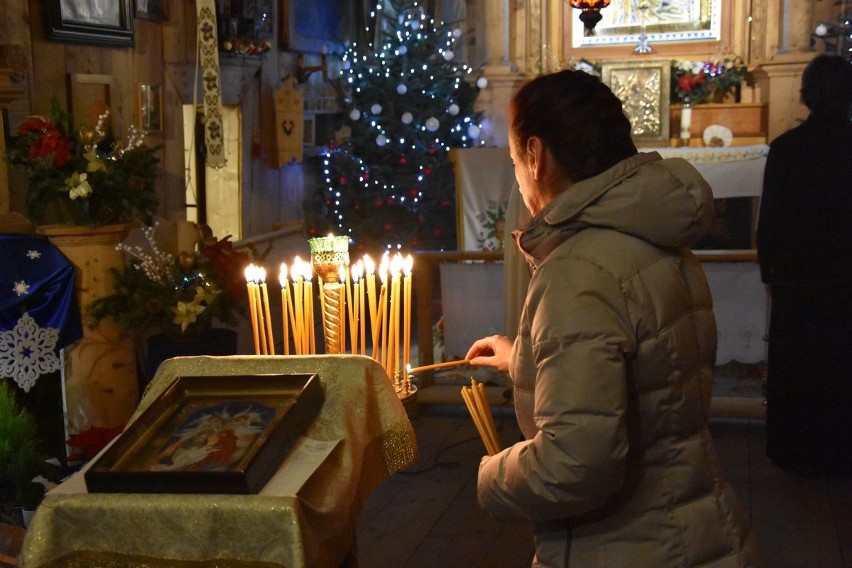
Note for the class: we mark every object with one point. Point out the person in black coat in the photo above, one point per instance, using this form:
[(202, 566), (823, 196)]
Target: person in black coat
[(804, 246)]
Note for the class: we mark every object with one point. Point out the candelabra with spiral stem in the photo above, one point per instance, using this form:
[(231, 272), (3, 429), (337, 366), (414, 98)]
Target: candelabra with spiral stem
[(330, 261)]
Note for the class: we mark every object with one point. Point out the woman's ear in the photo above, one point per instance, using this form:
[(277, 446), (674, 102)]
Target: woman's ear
[(535, 151)]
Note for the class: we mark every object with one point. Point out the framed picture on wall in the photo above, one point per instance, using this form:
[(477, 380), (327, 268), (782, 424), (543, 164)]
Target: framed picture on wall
[(671, 21), (151, 10), (150, 108), (89, 95), (98, 22), (314, 26), (643, 88)]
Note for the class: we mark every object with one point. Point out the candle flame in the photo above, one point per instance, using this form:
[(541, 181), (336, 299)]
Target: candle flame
[(282, 274), (261, 274), (296, 269), (249, 272), (396, 264), (408, 265), (369, 265)]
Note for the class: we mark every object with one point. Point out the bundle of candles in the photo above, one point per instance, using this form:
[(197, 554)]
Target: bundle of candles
[(346, 294), (477, 404)]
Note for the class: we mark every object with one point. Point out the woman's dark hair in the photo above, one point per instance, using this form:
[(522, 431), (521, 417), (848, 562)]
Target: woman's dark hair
[(827, 85), (579, 119)]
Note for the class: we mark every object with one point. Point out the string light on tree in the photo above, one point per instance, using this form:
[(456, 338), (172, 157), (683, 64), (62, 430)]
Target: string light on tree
[(420, 100)]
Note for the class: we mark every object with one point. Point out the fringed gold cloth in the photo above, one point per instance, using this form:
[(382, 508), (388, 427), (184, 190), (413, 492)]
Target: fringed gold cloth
[(315, 528)]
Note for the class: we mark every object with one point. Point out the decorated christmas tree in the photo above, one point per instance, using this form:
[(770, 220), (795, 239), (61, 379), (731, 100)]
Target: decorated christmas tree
[(408, 101)]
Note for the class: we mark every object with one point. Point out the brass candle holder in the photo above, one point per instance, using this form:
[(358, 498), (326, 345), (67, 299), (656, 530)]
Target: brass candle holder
[(330, 261)]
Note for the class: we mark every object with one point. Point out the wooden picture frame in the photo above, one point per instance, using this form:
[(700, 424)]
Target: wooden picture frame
[(643, 88), (224, 434), (89, 97), (150, 108), (675, 21), (151, 10), (97, 22), (314, 26)]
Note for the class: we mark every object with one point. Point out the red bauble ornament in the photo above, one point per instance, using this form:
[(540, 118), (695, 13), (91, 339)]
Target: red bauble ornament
[(342, 180), (432, 150), (388, 227), (328, 202), (414, 192), (357, 206), (389, 201), (378, 203), (312, 231), (427, 171), (445, 202), (366, 176), (437, 231), (403, 160)]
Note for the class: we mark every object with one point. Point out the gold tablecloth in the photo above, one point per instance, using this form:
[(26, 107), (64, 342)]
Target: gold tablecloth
[(315, 528)]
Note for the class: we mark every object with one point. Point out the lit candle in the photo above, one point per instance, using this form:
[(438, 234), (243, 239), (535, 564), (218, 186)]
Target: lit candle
[(250, 275), (352, 307), (362, 323), (283, 278), (298, 302), (270, 341), (261, 322), (407, 267), (310, 347), (370, 268), (393, 333), (383, 315)]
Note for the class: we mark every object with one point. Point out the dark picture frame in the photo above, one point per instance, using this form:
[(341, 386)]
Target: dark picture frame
[(96, 22), (151, 10), (223, 434), (314, 26)]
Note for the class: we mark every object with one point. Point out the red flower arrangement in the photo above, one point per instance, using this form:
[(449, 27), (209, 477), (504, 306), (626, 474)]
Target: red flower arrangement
[(699, 82), (85, 177)]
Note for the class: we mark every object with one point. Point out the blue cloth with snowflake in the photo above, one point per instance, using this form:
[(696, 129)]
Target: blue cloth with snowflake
[(39, 314)]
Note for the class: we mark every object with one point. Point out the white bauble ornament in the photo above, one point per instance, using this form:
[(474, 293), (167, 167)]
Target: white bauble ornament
[(407, 117), (354, 114), (482, 82), (376, 109), (381, 140), (448, 55), (453, 109), (473, 131), (432, 124), (401, 89), (402, 50), (821, 30), (457, 33)]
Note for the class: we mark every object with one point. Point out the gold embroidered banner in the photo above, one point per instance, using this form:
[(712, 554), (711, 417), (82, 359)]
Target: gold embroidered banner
[(208, 53)]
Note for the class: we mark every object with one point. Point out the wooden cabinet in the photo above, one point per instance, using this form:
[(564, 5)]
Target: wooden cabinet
[(748, 122)]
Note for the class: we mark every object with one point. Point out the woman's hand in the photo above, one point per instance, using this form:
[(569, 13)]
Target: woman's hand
[(492, 351)]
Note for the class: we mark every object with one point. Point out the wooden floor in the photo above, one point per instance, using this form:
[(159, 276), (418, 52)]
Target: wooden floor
[(427, 516)]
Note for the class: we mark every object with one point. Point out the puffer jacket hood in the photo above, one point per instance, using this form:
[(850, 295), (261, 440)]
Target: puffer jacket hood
[(666, 203)]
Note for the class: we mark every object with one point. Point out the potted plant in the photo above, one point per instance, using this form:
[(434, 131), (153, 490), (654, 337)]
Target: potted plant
[(21, 460), (700, 82)]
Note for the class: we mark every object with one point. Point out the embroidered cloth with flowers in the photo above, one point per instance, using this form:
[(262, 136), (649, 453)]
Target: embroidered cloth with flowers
[(181, 293), (87, 177)]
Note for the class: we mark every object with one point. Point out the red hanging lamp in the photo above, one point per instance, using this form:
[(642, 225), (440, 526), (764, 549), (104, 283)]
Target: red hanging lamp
[(590, 14)]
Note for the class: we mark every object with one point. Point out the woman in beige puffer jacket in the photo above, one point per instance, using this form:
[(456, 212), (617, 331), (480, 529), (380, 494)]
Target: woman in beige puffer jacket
[(612, 366)]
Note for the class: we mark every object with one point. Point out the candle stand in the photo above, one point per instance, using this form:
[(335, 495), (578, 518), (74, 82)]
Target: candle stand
[(330, 260)]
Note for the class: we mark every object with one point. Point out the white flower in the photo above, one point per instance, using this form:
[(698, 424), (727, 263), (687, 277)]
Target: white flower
[(78, 186)]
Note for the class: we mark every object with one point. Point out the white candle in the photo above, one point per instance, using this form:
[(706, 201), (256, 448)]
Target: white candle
[(685, 122)]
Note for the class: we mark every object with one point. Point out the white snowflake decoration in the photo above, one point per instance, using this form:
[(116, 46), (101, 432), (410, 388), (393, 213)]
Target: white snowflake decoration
[(33, 254), (21, 288), (28, 351)]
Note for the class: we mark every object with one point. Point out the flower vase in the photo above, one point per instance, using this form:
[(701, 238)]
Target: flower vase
[(162, 346)]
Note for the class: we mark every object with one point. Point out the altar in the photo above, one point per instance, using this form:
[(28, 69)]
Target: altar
[(361, 416), (740, 304)]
